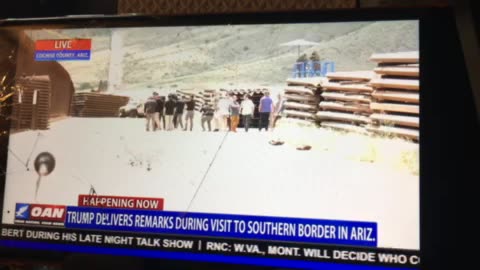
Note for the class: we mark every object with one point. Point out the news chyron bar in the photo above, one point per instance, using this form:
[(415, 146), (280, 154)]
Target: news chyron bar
[(189, 142)]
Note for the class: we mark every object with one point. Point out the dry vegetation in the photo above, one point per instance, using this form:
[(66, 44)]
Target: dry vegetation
[(397, 153), (191, 57)]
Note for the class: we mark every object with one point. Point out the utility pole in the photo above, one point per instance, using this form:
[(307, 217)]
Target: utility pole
[(115, 71)]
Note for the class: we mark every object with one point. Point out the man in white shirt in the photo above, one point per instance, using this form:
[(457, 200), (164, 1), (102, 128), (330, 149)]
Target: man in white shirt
[(223, 112), (246, 110)]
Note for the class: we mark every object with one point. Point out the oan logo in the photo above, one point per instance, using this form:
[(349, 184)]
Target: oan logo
[(47, 212)]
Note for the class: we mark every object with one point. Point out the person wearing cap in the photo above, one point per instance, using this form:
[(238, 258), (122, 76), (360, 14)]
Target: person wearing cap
[(190, 113), (265, 108)]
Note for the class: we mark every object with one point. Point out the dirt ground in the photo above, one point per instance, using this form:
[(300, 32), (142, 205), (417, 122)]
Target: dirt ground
[(343, 177)]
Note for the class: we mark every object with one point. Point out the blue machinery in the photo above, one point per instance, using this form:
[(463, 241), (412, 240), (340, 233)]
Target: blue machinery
[(312, 69)]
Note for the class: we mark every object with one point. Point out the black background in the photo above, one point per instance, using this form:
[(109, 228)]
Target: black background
[(50, 8), (449, 142)]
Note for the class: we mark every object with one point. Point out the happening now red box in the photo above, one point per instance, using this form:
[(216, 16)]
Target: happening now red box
[(120, 202), (63, 45)]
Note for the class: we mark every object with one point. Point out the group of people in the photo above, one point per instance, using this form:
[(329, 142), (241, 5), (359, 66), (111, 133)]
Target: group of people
[(308, 66), (225, 113), (168, 113)]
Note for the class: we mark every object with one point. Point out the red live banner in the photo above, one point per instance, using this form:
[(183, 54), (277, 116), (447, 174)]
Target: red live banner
[(120, 202), (63, 45)]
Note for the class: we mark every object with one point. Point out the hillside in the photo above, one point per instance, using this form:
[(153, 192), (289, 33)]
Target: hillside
[(233, 56)]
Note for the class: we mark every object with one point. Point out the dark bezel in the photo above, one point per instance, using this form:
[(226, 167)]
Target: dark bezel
[(437, 36)]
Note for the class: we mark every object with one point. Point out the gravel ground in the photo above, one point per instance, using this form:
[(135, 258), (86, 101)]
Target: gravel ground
[(344, 177)]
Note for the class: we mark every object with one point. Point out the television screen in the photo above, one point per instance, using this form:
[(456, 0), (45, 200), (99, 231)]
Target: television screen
[(275, 144)]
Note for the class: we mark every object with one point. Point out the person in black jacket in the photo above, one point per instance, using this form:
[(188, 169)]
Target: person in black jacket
[(169, 112), (190, 113), (179, 107), (160, 111), (207, 116)]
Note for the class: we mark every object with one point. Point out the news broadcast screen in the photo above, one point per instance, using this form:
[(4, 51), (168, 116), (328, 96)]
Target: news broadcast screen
[(267, 144)]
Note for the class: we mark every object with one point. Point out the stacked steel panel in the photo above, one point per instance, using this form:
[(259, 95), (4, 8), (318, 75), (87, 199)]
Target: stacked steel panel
[(31, 103), (97, 105), (346, 101), (207, 96), (395, 99), (301, 98)]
